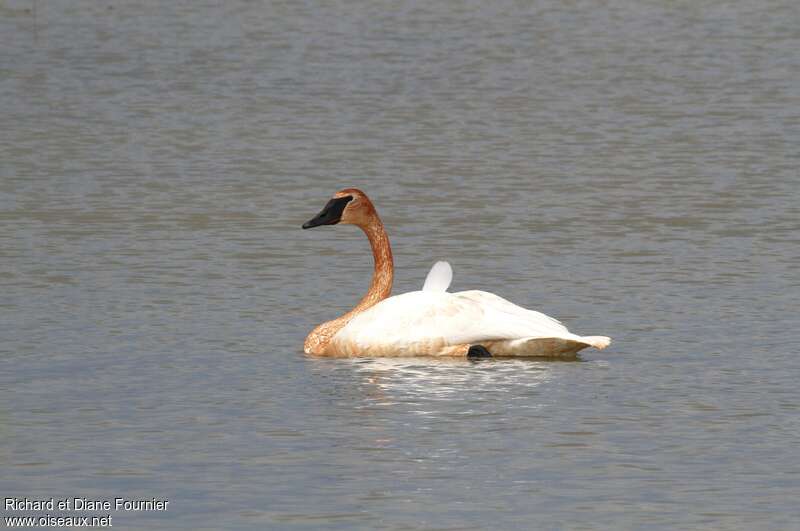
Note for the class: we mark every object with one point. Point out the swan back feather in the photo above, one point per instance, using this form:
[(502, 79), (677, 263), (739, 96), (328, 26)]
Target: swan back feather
[(439, 277)]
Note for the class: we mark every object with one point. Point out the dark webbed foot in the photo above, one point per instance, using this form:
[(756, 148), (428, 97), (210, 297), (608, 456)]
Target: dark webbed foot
[(478, 351)]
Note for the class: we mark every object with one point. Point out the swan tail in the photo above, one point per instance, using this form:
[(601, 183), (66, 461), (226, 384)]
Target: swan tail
[(598, 342)]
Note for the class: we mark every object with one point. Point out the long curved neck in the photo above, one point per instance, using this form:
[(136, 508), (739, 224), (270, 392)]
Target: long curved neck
[(383, 274), (379, 289)]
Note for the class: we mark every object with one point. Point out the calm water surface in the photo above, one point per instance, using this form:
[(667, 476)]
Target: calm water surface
[(630, 168)]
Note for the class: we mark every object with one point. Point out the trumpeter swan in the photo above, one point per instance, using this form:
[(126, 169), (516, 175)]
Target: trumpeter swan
[(430, 322)]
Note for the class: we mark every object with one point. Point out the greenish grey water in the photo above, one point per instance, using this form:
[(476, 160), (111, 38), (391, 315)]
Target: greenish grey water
[(630, 168)]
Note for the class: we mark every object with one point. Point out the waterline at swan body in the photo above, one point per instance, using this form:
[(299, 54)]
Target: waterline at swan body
[(440, 324), (430, 322)]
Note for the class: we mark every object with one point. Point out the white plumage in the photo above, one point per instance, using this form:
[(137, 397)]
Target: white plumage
[(439, 277), (421, 321)]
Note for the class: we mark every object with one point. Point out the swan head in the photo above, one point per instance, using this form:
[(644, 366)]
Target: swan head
[(350, 206)]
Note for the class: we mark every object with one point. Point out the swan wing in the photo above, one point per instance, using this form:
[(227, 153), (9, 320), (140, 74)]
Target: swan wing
[(419, 320), (502, 319), (439, 277)]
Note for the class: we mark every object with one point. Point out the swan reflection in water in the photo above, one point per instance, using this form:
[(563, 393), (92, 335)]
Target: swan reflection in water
[(378, 405), (426, 381)]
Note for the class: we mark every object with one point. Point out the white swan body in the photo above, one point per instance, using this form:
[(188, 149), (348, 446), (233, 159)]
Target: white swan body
[(433, 322)]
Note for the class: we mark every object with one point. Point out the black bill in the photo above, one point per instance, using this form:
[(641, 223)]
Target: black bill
[(330, 214)]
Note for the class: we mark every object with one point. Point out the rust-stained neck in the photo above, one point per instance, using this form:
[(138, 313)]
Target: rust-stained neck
[(383, 274), (380, 288)]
